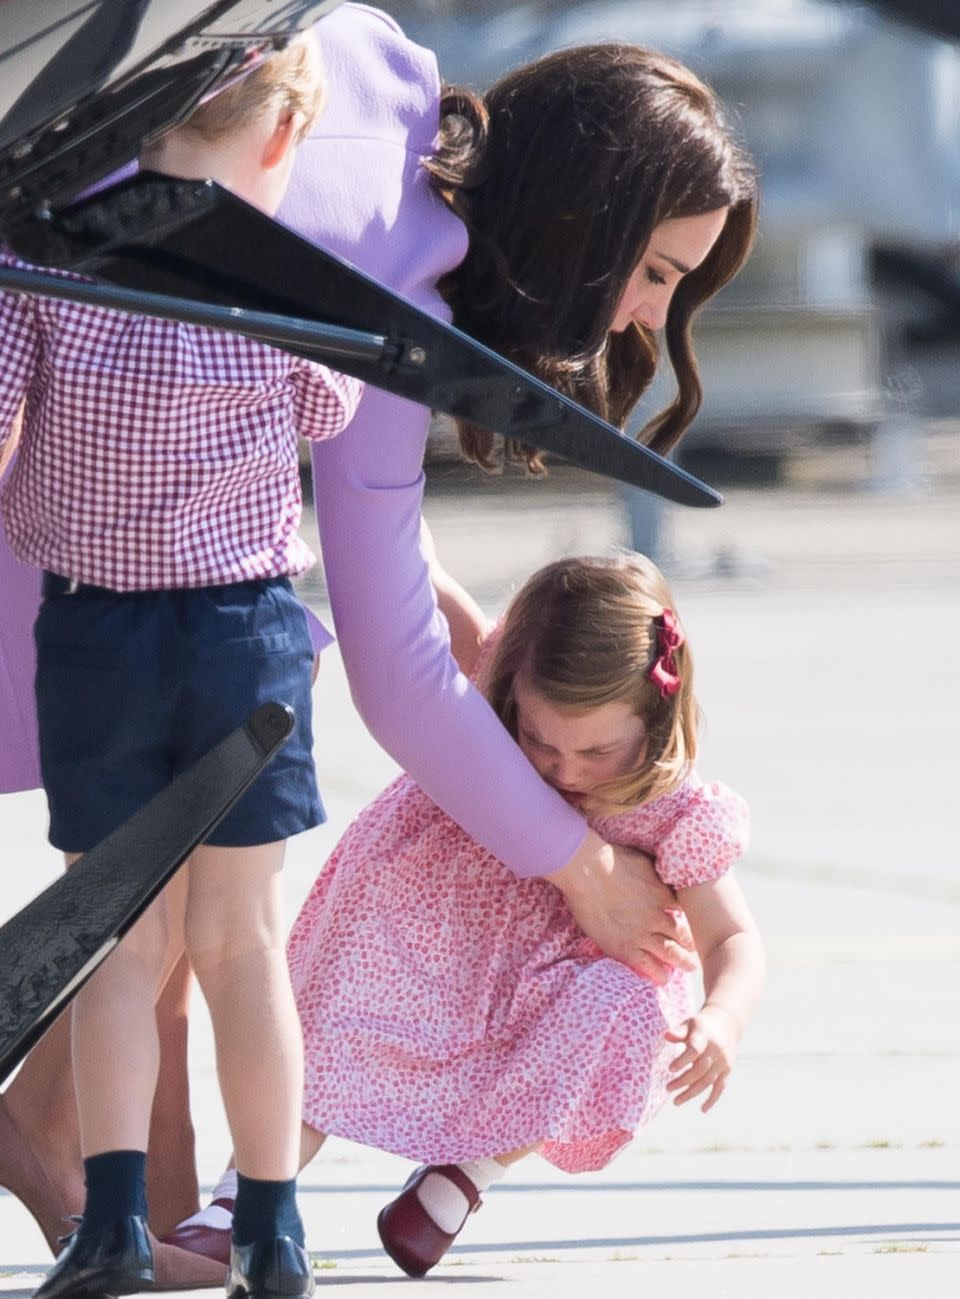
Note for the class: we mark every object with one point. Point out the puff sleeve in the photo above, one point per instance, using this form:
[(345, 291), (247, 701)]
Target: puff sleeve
[(709, 834)]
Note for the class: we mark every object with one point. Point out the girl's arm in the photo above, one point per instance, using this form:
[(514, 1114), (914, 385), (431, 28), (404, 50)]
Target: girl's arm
[(469, 625), (732, 955)]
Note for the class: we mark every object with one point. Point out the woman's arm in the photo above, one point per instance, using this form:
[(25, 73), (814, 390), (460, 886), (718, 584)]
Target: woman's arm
[(732, 955)]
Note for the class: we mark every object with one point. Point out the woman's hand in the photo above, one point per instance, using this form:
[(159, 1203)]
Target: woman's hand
[(620, 903), (710, 1046)]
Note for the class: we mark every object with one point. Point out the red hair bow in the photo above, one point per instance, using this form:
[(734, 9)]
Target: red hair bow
[(663, 672)]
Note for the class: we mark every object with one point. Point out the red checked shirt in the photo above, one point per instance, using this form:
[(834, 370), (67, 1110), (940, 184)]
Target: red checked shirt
[(156, 454)]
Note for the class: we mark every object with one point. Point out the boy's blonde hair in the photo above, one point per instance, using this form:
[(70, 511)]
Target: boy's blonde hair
[(291, 79), (583, 632)]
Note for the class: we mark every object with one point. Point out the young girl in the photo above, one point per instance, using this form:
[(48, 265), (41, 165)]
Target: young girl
[(456, 1014), (157, 484)]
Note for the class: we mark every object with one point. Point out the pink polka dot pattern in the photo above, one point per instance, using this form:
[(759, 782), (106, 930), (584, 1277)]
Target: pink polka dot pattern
[(452, 1011)]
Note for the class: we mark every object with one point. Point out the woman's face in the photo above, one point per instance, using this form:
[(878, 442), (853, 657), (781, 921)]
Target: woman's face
[(575, 751), (676, 247)]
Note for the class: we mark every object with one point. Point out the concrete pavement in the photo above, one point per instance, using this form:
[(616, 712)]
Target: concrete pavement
[(832, 1165)]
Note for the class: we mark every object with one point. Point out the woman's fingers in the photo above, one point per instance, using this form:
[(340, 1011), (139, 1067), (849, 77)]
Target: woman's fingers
[(678, 955), (651, 968), (676, 927)]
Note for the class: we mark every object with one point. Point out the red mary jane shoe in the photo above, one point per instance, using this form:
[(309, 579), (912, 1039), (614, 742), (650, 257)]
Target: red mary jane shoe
[(409, 1235)]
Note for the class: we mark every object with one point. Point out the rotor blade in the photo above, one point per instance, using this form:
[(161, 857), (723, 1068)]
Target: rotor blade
[(191, 240)]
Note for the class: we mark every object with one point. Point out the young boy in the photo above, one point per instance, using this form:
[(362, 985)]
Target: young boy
[(157, 486)]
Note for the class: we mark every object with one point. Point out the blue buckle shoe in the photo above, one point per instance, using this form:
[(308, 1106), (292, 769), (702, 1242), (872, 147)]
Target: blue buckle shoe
[(270, 1269), (115, 1259)]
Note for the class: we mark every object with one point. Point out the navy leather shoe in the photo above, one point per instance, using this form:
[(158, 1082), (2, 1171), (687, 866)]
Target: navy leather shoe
[(113, 1260), (269, 1269)]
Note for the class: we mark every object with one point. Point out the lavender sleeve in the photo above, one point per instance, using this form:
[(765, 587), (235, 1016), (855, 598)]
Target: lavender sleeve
[(358, 189), (20, 592)]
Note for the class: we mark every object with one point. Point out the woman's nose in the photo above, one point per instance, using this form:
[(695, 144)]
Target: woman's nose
[(652, 315)]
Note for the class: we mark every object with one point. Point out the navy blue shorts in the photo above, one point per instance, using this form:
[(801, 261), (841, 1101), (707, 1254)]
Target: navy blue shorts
[(133, 688)]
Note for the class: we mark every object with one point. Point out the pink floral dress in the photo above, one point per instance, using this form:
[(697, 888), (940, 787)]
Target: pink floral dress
[(452, 1011)]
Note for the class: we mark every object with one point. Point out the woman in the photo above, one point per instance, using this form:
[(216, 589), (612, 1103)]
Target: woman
[(587, 203)]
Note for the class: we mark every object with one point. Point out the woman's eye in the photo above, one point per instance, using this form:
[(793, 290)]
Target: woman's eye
[(654, 277)]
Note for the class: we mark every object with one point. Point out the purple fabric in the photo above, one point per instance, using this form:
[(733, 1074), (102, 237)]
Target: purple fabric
[(20, 592), (358, 189)]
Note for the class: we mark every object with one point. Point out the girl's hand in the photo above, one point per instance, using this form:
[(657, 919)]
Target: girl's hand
[(710, 1039)]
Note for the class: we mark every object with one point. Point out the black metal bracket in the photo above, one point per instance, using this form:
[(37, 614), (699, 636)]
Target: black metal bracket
[(165, 242)]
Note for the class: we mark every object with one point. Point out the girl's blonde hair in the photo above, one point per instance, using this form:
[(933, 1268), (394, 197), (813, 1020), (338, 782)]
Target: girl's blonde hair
[(583, 632), (291, 80)]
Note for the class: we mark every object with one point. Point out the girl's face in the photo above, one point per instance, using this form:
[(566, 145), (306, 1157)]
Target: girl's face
[(676, 247), (575, 751)]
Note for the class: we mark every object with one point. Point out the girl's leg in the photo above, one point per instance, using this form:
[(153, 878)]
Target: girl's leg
[(448, 1203), (420, 1225), (235, 942), (310, 1142)]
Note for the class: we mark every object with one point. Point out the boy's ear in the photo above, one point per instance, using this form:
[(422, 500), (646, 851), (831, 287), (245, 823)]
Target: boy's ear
[(281, 140)]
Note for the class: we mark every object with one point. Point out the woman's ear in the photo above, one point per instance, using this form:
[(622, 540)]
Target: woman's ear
[(281, 140)]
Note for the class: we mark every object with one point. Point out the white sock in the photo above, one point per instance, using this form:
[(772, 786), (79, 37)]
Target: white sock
[(215, 1215), (445, 1203)]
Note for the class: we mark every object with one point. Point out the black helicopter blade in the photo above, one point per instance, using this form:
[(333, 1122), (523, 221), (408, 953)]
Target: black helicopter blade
[(191, 241)]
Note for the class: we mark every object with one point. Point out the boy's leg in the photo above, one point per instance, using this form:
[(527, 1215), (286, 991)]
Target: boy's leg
[(116, 1050), (209, 1231), (40, 1159), (235, 942), (115, 1061)]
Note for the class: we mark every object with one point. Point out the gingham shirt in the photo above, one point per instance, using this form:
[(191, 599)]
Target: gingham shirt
[(156, 454)]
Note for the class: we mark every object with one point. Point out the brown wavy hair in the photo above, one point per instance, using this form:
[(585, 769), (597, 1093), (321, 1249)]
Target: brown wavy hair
[(561, 171), (582, 632)]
